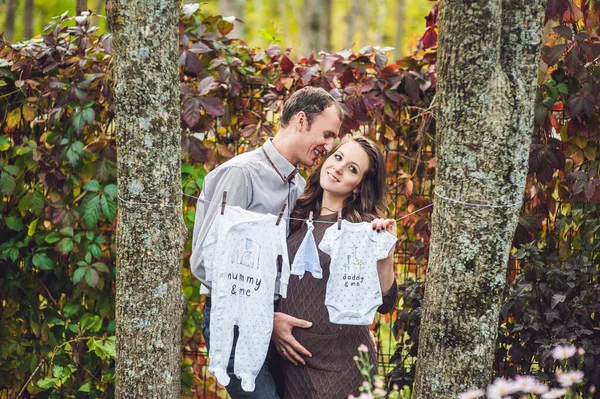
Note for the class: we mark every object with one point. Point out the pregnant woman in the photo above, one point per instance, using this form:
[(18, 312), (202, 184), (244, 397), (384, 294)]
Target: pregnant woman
[(318, 354)]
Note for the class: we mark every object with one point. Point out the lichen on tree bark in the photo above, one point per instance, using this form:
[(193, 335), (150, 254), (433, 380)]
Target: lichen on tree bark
[(150, 229), (488, 58)]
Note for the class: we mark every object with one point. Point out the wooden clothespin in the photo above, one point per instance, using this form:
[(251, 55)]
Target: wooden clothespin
[(223, 202), (280, 214), (340, 219), (310, 216)]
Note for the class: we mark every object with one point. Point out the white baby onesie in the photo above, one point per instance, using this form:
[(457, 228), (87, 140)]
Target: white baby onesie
[(307, 256), (244, 247), (353, 290)]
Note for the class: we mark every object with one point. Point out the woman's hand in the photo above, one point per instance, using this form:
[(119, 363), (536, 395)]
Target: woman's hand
[(388, 225), (287, 346)]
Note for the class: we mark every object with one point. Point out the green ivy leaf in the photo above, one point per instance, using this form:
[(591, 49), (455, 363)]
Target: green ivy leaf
[(92, 185), (43, 262), (100, 267), (74, 152), (14, 118), (111, 190), (32, 227), (88, 115), (12, 169), (109, 207), (95, 250), (77, 121), (65, 245), (91, 277), (14, 223), (71, 309), (85, 387), (91, 210), (48, 383), (37, 203), (52, 237), (66, 231), (4, 143), (90, 322), (7, 184), (79, 273)]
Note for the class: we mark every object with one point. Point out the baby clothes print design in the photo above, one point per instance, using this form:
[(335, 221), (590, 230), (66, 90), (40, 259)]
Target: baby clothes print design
[(353, 291), (307, 256), (243, 251)]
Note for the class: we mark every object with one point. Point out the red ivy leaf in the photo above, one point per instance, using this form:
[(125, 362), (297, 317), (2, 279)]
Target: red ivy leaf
[(286, 64), (431, 18), (573, 61), (380, 59), (555, 8), (565, 31), (212, 105), (191, 112), (199, 48), (551, 55), (224, 27), (429, 39), (206, 85), (572, 14)]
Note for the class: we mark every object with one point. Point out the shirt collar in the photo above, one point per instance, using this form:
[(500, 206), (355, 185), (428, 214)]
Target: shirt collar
[(282, 166)]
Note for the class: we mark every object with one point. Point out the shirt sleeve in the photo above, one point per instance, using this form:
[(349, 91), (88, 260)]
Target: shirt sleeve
[(389, 299), (236, 182)]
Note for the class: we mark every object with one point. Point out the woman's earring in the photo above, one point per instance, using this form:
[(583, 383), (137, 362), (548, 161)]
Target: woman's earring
[(354, 196)]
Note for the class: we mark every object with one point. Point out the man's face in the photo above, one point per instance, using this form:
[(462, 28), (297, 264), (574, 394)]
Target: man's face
[(318, 140)]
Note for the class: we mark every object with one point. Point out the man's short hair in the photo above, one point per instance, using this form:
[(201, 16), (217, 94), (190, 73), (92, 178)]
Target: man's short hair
[(310, 100)]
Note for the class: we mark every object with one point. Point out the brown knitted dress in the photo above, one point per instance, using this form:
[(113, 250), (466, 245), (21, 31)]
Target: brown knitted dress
[(331, 372)]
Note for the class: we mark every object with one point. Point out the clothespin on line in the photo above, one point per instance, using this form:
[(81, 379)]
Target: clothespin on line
[(310, 217), (223, 202), (280, 214), (339, 219)]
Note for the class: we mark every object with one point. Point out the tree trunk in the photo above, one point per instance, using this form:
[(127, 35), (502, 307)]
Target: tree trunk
[(98, 9), (488, 61), (400, 16), (9, 21), (81, 6), (28, 20), (150, 229), (351, 22), (317, 25), (236, 8)]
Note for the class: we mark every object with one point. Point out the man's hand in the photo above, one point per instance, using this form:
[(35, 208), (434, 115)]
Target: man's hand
[(287, 346)]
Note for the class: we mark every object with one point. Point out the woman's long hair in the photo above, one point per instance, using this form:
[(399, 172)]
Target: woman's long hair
[(368, 204)]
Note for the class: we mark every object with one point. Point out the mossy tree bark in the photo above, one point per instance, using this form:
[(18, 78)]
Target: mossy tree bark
[(150, 229), (488, 62)]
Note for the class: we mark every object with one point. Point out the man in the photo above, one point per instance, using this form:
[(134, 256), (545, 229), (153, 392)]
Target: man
[(261, 181)]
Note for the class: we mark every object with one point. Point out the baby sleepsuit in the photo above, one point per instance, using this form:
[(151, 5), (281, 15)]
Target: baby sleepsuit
[(246, 246), (353, 290), (307, 256)]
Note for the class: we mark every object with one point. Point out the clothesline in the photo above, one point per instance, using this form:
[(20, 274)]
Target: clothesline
[(304, 220), (480, 205), (218, 203)]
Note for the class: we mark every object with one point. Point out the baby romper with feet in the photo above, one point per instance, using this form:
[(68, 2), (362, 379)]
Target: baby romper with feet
[(353, 290), (240, 254)]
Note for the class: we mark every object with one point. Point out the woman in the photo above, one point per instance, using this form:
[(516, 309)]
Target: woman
[(318, 361)]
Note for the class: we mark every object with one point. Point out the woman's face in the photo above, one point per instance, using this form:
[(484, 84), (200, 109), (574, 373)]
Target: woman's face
[(343, 170)]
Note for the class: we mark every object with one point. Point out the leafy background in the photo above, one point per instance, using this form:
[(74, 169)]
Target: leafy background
[(58, 177)]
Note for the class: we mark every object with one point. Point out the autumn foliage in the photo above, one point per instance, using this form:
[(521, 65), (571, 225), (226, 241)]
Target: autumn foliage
[(58, 186)]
